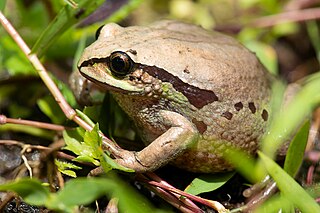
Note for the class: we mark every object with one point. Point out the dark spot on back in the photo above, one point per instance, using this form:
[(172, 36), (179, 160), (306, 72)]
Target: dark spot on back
[(252, 107), (186, 70), (238, 106), (227, 115), (133, 52), (201, 126), (196, 96), (265, 115)]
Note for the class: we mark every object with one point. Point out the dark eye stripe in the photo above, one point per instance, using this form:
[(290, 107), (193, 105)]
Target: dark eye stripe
[(196, 96)]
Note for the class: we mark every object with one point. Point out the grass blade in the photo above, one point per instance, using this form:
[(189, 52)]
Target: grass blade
[(289, 187)]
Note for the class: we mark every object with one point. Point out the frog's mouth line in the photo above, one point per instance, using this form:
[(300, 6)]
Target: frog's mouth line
[(107, 82), (104, 86)]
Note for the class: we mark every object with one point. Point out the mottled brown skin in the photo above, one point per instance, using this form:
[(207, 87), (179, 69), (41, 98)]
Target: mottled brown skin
[(192, 93)]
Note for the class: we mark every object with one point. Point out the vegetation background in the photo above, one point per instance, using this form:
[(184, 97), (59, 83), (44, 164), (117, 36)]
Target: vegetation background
[(285, 36)]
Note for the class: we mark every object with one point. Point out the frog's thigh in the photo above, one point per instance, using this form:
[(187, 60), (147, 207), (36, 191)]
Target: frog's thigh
[(170, 144)]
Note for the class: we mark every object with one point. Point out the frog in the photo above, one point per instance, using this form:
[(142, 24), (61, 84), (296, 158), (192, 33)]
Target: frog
[(192, 93)]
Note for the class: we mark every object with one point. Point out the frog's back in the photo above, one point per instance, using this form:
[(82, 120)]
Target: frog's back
[(212, 61), (239, 115), (205, 59)]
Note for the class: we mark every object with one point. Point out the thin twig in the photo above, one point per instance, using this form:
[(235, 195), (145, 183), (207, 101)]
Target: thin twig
[(37, 147), (154, 177), (168, 196), (285, 17), (155, 182), (259, 198), (213, 204), (5, 120)]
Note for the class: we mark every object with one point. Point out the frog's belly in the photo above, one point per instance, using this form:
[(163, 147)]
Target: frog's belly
[(207, 156)]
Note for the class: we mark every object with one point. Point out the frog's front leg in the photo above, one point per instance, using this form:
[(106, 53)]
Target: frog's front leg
[(180, 135)]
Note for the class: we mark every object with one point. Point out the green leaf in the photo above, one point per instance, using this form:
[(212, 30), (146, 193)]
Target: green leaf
[(50, 108), (129, 199), (86, 152), (19, 66), (208, 183), (265, 53), (12, 58), (90, 149), (285, 29), (296, 150), (80, 191), (2, 4), (64, 167), (66, 92), (87, 159), (289, 187), (93, 138), (67, 17), (108, 162), (85, 117), (72, 141), (83, 191), (69, 173), (28, 130), (31, 190), (80, 47), (313, 32)]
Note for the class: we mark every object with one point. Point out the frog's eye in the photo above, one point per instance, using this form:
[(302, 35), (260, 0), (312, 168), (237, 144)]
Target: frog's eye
[(98, 32), (120, 63)]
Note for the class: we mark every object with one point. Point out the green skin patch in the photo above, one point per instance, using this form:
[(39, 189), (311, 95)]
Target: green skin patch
[(173, 95)]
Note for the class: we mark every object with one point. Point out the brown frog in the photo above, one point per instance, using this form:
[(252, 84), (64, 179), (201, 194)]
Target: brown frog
[(192, 93)]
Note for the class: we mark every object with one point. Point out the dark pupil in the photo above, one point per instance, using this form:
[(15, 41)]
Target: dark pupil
[(118, 64)]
